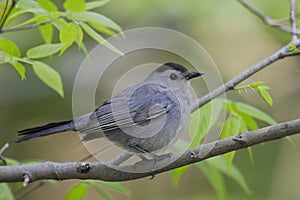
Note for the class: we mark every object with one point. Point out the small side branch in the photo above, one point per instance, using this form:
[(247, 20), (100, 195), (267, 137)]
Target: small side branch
[(22, 28), (267, 20), (293, 19), (1, 153), (6, 13)]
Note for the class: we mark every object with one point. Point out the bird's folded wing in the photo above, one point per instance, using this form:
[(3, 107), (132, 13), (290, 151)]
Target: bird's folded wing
[(146, 103)]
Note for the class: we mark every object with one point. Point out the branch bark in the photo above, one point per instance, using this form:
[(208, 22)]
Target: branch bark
[(102, 171)]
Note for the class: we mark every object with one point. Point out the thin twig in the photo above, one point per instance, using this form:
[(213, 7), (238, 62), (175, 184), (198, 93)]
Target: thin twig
[(293, 19), (21, 28), (266, 19), (3, 20), (1, 153), (3, 12)]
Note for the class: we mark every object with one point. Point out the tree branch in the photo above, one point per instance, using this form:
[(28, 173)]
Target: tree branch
[(102, 171), (293, 19), (281, 53), (267, 20)]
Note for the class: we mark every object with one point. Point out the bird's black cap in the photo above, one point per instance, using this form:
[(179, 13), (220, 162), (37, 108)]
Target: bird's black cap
[(174, 66), (188, 75)]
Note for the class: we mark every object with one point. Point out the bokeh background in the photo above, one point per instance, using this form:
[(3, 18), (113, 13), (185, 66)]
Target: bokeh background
[(235, 39)]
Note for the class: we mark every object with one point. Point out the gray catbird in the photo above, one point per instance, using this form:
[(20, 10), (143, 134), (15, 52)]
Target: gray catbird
[(143, 118)]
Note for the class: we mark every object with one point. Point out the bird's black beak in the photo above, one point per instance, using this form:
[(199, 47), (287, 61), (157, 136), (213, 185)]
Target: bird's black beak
[(192, 75)]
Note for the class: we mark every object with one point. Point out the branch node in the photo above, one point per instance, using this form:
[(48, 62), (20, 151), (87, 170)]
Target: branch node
[(27, 178), (230, 85), (193, 155), (240, 138), (84, 168), (152, 176)]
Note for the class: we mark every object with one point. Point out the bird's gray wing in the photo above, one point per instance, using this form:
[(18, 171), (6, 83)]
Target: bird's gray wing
[(147, 102)]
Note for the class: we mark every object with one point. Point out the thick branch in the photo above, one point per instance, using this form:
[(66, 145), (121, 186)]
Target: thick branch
[(101, 171)]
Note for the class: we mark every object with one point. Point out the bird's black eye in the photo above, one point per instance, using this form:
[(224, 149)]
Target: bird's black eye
[(173, 76)]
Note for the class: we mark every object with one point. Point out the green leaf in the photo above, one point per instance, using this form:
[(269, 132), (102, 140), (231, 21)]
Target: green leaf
[(95, 4), (231, 127), (20, 69), (100, 191), (249, 121), (264, 94), (215, 179), (79, 38), (115, 186), (229, 159), (67, 35), (9, 47), (44, 50), (49, 76), (74, 5), (177, 173), (255, 112), (77, 192), (59, 23), (234, 173), (94, 18), (27, 4), (203, 119), (292, 47), (102, 29), (257, 84), (5, 192), (47, 5), (13, 16), (93, 34), (46, 32)]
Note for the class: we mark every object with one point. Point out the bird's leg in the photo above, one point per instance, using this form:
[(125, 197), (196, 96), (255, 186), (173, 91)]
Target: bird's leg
[(155, 158)]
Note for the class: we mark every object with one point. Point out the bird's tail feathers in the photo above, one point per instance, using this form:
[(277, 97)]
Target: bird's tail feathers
[(45, 130)]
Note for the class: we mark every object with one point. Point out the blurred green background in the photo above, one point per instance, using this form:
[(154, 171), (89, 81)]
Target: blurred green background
[(235, 39)]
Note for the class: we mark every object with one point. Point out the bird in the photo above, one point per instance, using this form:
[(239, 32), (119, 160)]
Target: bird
[(143, 118)]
